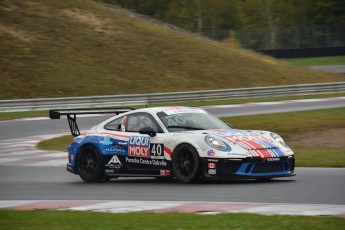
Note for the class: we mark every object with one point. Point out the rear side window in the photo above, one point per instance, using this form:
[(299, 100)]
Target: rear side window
[(114, 125)]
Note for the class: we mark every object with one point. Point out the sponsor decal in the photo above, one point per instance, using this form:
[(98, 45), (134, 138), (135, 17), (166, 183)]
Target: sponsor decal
[(237, 154), (162, 172), (212, 160), (106, 141), (167, 172), (176, 109), (114, 160), (118, 147), (139, 146), (212, 171), (116, 150), (146, 161), (211, 153), (212, 165), (71, 157), (109, 171), (273, 159), (157, 151), (114, 163)]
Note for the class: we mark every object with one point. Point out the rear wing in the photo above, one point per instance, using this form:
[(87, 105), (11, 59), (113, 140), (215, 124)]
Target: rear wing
[(72, 115)]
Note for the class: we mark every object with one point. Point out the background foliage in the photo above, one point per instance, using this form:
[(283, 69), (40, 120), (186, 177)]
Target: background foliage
[(259, 24)]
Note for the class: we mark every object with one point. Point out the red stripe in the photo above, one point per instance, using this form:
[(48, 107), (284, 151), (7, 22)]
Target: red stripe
[(257, 148), (108, 133), (168, 151), (260, 148), (250, 148)]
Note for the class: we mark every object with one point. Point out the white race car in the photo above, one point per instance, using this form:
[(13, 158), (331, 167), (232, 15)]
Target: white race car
[(185, 143)]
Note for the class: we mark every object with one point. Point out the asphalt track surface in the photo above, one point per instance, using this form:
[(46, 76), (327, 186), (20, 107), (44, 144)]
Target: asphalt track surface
[(310, 186), (331, 68)]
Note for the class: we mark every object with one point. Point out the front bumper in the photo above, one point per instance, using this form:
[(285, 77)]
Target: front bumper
[(250, 168)]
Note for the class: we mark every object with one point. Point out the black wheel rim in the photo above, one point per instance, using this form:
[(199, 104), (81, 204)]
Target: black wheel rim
[(185, 164), (88, 162)]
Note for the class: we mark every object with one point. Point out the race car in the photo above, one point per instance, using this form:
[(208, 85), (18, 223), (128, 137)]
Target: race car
[(185, 143)]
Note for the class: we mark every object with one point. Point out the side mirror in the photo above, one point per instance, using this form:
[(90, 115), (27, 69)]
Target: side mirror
[(149, 131), (230, 125)]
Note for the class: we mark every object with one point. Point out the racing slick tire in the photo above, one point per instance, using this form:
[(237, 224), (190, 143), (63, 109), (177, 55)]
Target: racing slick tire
[(186, 163), (90, 165)]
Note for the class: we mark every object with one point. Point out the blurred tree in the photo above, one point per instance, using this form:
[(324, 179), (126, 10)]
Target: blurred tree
[(269, 14), (329, 11), (216, 18)]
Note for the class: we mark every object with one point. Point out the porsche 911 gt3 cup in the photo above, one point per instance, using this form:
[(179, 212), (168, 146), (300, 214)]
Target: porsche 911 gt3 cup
[(185, 143)]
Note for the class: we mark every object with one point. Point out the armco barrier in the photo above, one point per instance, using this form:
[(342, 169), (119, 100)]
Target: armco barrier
[(142, 99)]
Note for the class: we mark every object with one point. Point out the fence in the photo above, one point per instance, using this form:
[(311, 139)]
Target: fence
[(293, 37), (142, 99)]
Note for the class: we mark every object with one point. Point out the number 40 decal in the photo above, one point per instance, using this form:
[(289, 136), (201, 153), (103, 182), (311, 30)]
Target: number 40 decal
[(157, 150)]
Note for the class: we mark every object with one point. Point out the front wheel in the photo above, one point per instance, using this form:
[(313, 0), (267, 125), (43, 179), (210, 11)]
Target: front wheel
[(186, 163), (90, 165)]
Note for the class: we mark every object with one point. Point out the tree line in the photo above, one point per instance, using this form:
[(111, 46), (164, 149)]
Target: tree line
[(217, 18)]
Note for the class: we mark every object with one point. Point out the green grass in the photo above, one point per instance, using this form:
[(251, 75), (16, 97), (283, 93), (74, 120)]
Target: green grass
[(58, 143), (18, 115), (319, 157), (316, 61), (291, 126), (92, 220), (82, 48)]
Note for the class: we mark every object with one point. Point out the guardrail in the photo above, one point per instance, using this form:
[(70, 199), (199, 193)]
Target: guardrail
[(142, 99)]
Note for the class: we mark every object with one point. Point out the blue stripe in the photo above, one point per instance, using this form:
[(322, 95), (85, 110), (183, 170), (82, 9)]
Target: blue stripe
[(274, 149)]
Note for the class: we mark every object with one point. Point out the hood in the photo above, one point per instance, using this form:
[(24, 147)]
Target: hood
[(256, 143)]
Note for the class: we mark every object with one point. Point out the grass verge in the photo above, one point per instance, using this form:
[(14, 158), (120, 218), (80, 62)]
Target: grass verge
[(320, 157), (92, 220), (58, 144), (292, 126), (19, 115), (315, 61)]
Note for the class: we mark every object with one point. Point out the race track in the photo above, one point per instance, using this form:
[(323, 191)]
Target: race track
[(310, 186), (29, 174)]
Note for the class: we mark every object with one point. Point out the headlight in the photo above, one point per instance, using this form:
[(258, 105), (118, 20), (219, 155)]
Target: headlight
[(215, 142), (278, 138)]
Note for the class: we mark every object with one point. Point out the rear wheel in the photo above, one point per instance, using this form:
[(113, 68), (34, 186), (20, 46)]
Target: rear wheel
[(90, 165), (186, 163)]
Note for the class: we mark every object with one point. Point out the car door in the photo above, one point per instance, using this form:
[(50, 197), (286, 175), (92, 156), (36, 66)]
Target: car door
[(145, 152), (128, 152)]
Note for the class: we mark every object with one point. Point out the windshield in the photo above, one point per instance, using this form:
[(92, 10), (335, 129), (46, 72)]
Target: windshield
[(191, 121)]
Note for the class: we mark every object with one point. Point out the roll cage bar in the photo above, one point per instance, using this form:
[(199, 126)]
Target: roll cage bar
[(72, 115)]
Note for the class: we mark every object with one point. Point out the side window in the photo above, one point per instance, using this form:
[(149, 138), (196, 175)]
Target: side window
[(114, 125), (138, 121)]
